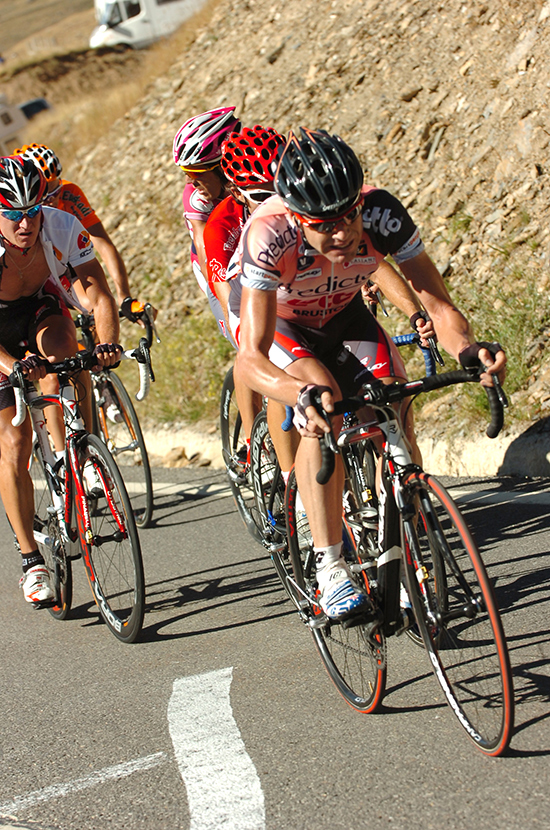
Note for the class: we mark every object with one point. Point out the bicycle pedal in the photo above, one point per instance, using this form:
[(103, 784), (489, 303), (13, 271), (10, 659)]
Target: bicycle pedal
[(45, 603)]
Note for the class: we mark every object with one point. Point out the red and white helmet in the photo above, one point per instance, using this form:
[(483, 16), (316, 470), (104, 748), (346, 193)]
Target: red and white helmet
[(199, 140), (22, 184), (250, 157), (43, 157)]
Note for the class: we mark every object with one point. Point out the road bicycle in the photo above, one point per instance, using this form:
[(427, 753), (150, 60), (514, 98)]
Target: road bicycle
[(266, 509), (248, 477), (419, 565), (115, 419), (82, 509)]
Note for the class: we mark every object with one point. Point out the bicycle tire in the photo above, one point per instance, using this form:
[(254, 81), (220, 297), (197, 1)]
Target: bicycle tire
[(459, 619), (233, 440), (113, 557), (126, 444), (269, 496), (354, 657), (54, 550)]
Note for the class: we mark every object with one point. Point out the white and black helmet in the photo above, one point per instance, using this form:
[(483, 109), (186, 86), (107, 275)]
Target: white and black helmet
[(318, 175), (22, 184)]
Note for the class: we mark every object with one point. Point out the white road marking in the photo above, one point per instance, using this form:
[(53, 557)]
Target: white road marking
[(23, 802), (223, 787)]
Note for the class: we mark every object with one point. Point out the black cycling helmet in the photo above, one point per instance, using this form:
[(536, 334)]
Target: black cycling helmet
[(318, 175)]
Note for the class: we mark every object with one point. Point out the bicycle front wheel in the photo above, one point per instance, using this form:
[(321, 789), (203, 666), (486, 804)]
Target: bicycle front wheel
[(113, 555), (457, 615), (352, 652), (48, 537), (234, 450), (269, 495), (120, 429)]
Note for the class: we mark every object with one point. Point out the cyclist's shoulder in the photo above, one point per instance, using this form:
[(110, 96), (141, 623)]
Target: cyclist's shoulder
[(271, 221), (65, 233)]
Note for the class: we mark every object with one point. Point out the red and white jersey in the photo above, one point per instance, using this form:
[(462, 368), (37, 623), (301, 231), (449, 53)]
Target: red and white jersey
[(274, 255), (221, 237), (198, 208)]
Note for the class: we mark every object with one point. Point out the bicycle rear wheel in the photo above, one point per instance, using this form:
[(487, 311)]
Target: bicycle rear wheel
[(113, 556), (234, 452), (457, 614), (125, 442), (269, 495), (48, 537), (352, 652)]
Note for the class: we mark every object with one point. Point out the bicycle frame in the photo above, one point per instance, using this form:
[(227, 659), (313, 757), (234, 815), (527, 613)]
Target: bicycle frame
[(74, 428)]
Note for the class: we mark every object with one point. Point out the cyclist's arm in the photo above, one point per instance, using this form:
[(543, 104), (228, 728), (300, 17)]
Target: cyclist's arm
[(112, 260), (399, 292), (257, 330), (198, 241), (93, 284), (453, 329)]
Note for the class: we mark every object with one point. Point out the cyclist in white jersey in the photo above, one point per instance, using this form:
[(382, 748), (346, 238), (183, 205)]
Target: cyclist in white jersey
[(303, 260), (39, 249)]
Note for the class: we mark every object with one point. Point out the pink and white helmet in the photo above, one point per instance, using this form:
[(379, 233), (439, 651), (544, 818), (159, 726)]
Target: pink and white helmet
[(199, 140)]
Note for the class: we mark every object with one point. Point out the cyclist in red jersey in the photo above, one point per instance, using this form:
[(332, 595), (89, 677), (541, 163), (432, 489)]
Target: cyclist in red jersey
[(197, 150), (303, 259), (68, 196)]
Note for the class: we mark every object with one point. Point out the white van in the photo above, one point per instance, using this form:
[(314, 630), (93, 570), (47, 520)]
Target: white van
[(138, 23), (12, 120)]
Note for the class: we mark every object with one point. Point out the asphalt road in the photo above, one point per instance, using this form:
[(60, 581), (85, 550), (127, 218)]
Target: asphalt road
[(222, 715)]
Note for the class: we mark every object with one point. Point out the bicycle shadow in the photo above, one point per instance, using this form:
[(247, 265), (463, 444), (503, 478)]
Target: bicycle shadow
[(209, 591)]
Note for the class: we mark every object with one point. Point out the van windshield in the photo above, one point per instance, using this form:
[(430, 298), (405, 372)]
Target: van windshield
[(110, 15)]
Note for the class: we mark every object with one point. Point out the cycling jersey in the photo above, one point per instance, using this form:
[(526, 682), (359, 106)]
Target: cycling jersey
[(274, 255), (66, 244), (198, 208), (72, 200), (221, 237)]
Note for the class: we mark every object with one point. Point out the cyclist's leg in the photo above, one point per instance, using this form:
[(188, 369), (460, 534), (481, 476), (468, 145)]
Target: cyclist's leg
[(54, 335), (15, 482)]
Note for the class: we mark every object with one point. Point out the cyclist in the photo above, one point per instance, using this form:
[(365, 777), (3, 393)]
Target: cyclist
[(40, 250), (197, 150), (68, 196), (248, 162), (303, 259)]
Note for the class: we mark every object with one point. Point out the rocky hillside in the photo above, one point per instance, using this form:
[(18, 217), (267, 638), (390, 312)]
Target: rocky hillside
[(445, 104)]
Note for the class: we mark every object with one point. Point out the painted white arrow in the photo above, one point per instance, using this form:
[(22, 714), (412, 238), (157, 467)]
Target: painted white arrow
[(223, 788)]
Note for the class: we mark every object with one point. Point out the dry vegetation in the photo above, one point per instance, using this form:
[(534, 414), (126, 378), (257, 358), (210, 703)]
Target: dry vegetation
[(23, 20)]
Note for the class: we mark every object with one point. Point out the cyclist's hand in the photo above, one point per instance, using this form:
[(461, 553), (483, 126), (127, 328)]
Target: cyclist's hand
[(421, 323), (307, 416), (108, 355), (33, 367), (133, 309), (489, 355), (369, 292)]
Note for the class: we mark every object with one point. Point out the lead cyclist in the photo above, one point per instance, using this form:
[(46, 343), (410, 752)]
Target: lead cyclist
[(304, 330)]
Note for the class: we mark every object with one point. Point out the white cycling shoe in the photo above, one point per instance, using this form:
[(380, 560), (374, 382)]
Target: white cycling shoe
[(340, 595), (36, 584)]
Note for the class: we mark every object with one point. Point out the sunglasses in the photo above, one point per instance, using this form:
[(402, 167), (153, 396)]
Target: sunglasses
[(193, 171), (328, 225), (257, 195), (53, 193), (17, 215)]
